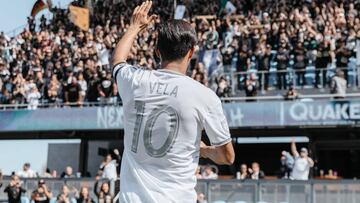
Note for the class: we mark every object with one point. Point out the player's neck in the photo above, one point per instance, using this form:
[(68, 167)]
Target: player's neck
[(177, 66)]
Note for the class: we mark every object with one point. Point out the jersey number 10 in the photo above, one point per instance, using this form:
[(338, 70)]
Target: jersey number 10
[(150, 122)]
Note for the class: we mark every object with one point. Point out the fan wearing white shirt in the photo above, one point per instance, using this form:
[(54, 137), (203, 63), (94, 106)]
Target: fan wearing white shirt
[(27, 172), (302, 164), (165, 112)]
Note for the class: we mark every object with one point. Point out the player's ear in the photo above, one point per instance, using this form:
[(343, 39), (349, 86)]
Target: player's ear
[(191, 53)]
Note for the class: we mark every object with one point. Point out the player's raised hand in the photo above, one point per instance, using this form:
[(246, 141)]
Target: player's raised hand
[(140, 17)]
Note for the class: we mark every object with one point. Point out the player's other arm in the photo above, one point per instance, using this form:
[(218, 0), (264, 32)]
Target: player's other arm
[(221, 150), (138, 22), (223, 155)]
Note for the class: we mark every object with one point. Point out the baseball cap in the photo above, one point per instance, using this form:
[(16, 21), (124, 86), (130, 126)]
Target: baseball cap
[(41, 182)]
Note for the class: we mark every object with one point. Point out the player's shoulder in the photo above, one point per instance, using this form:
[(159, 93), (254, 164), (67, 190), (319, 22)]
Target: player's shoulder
[(126, 68), (203, 93)]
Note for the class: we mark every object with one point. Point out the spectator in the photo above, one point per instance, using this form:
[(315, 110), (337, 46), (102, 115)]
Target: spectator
[(33, 98), (41, 194), (83, 87), (73, 93), (209, 173), (47, 174), (291, 94), (282, 60), (14, 190), (302, 163), (338, 85), (223, 89), (64, 196), (27, 172), (251, 86), (323, 59), (244, 172), (68, 173), (53, 89), (84, 196), (104, 195), (255, 172), (201, 198), (106, 87), (287, 164), (264, 59), (199, 74), (342, 57), (108, 166), (300, 63)]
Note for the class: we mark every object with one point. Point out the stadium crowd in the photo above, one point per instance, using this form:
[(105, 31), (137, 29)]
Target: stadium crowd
[(53, 61)]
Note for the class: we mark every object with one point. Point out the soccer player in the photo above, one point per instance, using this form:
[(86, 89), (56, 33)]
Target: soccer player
[(165, 112)]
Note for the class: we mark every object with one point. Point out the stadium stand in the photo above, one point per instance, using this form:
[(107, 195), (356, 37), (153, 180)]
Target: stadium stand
[(263, 46)]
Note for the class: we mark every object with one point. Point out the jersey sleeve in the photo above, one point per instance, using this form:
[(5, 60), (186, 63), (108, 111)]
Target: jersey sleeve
[(216, 126), (127, 77)]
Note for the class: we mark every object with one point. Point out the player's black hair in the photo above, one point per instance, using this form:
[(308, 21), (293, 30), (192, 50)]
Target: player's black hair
[(175, 39)]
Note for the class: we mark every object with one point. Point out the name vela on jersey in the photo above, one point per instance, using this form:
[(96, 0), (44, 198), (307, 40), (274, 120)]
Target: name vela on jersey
[(161, 88)]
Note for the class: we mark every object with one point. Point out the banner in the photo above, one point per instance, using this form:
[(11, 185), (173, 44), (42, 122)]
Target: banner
[(179, 12), (38, 6), (80, 17), (230, 8), (209, 59), (239, 115)]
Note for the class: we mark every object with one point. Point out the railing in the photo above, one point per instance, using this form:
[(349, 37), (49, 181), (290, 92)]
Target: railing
[(56, 105), (291, 77), (236, 191), (269, 191), (308, 97)]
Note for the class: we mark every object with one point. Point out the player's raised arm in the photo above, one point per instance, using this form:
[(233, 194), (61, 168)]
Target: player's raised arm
[(139, 21)]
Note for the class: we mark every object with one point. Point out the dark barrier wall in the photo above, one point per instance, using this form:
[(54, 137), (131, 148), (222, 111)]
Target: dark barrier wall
[(250, 114)]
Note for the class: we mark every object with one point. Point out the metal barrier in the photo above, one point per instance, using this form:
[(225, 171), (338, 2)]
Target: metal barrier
[(310, 74), (284, 191), (308, 97), (238, 191), (57, 105)]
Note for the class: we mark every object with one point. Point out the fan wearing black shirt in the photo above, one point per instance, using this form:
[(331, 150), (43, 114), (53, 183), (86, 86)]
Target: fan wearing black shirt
[(72, 92), (41, 194), (300, 63), (106, 87), (14, 190)]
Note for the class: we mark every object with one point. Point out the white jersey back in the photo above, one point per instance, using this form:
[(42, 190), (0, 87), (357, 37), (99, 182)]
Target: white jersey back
[(164, 114)]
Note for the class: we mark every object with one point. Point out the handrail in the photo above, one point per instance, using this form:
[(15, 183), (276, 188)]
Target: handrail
[(58, 104), (292, 70), (282, 97)]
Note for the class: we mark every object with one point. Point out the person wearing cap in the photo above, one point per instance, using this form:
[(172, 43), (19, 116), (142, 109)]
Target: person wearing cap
[(41, 194), (27, 172), (302, 163)]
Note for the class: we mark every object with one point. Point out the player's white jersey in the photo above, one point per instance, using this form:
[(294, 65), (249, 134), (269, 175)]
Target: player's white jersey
[(164, 114)]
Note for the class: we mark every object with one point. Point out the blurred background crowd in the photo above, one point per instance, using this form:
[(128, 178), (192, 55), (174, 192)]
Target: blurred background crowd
[(262, 45)]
